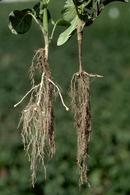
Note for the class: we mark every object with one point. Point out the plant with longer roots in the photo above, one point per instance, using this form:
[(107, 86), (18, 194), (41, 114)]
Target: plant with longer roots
[(38, 116)]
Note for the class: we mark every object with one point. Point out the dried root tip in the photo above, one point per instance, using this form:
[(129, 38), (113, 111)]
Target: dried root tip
[(80, 96)]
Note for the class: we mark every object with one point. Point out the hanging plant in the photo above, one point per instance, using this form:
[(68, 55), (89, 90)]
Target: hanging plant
[(38, 116), (81, 14)]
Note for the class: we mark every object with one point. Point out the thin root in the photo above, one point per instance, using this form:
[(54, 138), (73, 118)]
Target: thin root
[(26, 95), (62, 100)]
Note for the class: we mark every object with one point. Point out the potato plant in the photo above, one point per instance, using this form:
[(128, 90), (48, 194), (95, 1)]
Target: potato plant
[(37, 118)]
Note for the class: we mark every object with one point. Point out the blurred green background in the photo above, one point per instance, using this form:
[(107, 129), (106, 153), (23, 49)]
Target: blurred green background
[(106, 52)]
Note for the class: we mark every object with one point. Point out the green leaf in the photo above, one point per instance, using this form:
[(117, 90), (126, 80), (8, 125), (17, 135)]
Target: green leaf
[(69, 11), (20, 21), (62, 22), (63, 38), (38, 11), (86, 9), (79, 2), (89, 10), (45, 2)]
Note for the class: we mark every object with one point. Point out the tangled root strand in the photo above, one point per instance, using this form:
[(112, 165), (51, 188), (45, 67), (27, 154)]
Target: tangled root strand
[(38, 118), (80, 96)]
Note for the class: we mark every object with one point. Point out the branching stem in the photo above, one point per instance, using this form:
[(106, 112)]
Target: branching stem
[(37, 22), (53, 31)]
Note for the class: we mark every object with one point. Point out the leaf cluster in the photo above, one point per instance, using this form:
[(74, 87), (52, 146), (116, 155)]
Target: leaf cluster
[(20, 21), (74, 14), (85, 10)]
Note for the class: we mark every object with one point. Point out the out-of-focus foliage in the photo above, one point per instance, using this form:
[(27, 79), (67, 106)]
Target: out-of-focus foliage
[(107, 45)]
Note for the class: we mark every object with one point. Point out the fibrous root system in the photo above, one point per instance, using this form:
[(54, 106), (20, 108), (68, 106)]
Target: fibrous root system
[(80, 95), (37, 117)]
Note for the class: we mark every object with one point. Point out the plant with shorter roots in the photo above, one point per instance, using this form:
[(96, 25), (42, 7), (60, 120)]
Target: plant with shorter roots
[(80, 14), (38, 116)]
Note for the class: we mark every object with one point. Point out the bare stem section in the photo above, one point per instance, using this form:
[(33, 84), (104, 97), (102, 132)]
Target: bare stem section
[(80, 95)]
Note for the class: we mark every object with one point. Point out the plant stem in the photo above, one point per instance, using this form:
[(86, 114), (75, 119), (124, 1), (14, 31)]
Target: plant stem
[(80, 49), (37, 22), (80, 46), (46, 36), (53, 31)]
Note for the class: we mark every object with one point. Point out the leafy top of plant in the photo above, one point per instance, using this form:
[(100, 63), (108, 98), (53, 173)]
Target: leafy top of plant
[(86, 11), (20, 20)]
